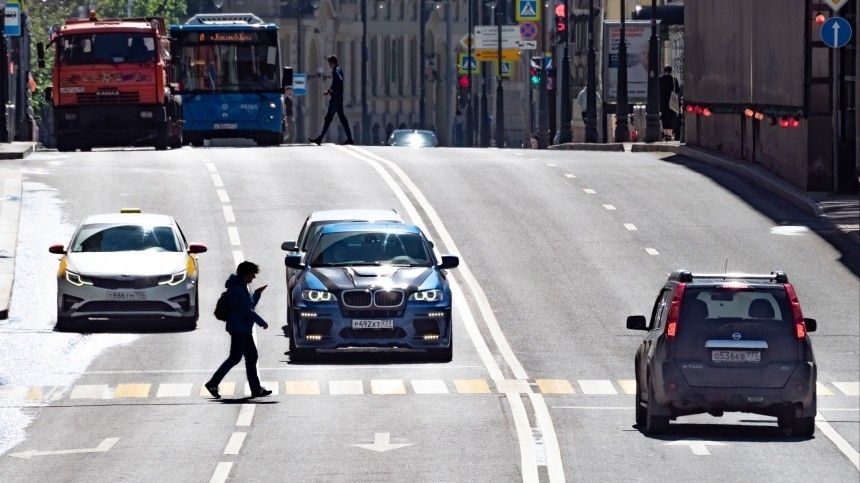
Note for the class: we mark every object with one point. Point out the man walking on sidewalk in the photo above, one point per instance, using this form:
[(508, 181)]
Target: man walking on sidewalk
[(335, 104), (240, 325)]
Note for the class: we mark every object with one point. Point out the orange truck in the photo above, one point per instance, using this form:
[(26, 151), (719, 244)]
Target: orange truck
[(112, 85)]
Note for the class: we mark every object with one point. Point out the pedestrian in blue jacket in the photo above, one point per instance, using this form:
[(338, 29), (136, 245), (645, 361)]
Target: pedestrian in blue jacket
[(240, 325)]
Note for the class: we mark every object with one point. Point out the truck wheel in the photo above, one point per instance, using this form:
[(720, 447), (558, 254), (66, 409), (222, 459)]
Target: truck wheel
[(176, 141), (64, 145), (161, 138)]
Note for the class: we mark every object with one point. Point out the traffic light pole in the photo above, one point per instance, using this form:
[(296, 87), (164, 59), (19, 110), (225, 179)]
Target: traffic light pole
[(470, 111), (365, 117), (622, 130), (543, 101), (565, 135), (483, 127), (500, 93), (591, 85), (652, 108), (300, 122)]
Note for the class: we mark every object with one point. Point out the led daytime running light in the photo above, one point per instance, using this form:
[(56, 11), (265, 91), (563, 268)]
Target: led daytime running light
[(76, 280), (317, 296), (433, 295), (175, 279)]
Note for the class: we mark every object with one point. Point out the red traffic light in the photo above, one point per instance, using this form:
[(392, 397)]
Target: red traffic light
[(699, 109), (794, 122), (783, 122), (690, 108), (819, 19), (464, 81), (561, 17)]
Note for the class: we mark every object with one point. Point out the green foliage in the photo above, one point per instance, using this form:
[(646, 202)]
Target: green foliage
[(44, 13)]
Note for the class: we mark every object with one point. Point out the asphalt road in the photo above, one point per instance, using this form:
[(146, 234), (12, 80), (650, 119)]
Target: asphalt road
[(557, 249)]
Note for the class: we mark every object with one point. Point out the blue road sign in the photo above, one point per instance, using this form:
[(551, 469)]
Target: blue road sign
[(300, 83), (13, 19), (836, 32)]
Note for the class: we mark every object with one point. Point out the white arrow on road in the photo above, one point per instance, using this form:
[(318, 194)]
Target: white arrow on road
[(699, 447), (381, 443), (104, 446)]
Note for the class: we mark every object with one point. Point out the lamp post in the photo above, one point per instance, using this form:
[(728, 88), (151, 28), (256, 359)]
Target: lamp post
[(300, 122), (483, 127), (470, 112), (500, 92), (365, 117), (591, 83), (622, 130), (543, 101), (565, 135), (652, 108)]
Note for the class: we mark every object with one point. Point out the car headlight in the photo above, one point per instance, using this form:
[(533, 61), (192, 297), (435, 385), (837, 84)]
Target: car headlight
[(434, 295), (272, 105), (317, 296), (77, 280), (175, 279)]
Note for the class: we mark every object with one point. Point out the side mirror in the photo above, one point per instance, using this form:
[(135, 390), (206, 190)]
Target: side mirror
[(637, 322), (811, 324), (449, 261), (57, 249), (289, 246), (40, 54), (294, 261), (196, 248)]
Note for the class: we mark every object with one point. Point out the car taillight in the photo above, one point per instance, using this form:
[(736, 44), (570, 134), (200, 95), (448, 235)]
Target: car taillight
[(799, 326), (674, 310)]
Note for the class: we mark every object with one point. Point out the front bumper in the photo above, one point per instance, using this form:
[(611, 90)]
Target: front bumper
[(109, 125), (95, 303), (415, 327)]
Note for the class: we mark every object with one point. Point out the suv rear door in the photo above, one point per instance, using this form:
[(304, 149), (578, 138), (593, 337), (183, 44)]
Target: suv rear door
[(736, 335)]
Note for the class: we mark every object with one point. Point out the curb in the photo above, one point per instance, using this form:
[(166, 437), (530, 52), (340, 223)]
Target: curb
[(10, 212), (619, 147), (17, 150)]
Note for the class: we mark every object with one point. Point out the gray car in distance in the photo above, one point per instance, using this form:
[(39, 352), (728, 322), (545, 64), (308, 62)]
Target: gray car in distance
[(728, 342)]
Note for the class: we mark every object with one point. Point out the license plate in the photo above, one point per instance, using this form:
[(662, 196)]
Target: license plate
[(372, 324), (226, 126), (736, 356), (137, 295)]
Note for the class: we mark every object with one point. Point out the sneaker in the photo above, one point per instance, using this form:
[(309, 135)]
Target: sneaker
[(262, 392), (347, 142), (317, 140), (213, 390)]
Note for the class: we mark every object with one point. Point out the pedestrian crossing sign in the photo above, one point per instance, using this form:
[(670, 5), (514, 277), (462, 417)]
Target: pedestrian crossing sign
[(527, 10), (465, 63), (506, 68)]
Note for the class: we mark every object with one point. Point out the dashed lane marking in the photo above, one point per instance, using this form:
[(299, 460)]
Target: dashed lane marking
[(849, 388), (233, 233), (217, 181), (238, 257), (630, 227), (228, 214), (596, 386), (308, 388), (609, 207), (590, 191), (224, 389), (338, 388), (551, 165), (222, 472), (246, 415), (569, 175), (431, 386), (174, 390), (627, 385), (96, 391), (222, 196), (235, 443), (555, 386), (472, 386), (651, 251), (132, 391), (45, 393), (211, 167), (387, 386)]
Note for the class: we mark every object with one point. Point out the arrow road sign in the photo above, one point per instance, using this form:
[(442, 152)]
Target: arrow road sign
[(836, 32), (487, 36), (836, 4), (700, 448), (381, 443), (105, 445)]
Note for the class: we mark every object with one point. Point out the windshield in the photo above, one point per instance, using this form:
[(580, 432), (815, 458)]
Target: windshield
[(105, 237), (371, 248), (413, 139), (228, 67), (111, 48)]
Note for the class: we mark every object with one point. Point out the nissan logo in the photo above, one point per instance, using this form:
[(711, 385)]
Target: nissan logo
[(736, 336)]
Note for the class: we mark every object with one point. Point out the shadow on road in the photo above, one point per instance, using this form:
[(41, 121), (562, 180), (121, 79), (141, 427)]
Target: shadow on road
[(726, 433)]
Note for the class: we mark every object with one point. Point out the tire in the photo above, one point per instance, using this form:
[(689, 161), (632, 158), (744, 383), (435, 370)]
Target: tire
[(641, 412), (64, 324), (654, 424), (446, 354), (161, 138), (296, 354), (195, 140), (190, 323), (175, 142), (803, 426)]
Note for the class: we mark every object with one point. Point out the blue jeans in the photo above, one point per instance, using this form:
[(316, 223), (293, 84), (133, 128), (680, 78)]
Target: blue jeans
[(241, 345)]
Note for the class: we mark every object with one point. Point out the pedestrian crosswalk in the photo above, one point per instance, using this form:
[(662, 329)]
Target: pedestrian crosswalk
[(355, 387)]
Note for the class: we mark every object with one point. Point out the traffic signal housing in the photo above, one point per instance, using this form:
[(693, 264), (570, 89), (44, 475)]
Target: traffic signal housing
[(561, 28), (535, 67)]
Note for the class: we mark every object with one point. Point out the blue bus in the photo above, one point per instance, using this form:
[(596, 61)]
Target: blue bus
[(228, 67)]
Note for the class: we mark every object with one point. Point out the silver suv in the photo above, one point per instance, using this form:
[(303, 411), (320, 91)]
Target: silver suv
[(729, 342)]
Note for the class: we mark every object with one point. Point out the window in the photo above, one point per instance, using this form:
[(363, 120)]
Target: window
[(125, 238), (106, 49)]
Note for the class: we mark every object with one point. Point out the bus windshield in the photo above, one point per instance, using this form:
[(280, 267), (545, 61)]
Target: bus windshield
[(110, 48), (219, 67)]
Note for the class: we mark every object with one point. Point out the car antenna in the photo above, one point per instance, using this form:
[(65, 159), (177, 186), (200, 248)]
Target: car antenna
[(726, 270)]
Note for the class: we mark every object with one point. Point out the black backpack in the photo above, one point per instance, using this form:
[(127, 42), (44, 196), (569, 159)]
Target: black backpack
[(222, 307)]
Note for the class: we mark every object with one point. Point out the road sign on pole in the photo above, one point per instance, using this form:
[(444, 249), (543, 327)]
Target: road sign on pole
[(836, 4), (466, 63), (836, 32), (527, 10), (300, 82), (13, 19)]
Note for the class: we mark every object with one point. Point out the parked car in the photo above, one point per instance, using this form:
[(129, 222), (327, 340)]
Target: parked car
[(413, 138), (728, 342), (128, 266), (371, 285)]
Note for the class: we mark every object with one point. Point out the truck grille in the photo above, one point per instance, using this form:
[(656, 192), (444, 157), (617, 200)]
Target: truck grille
[(122, 98)]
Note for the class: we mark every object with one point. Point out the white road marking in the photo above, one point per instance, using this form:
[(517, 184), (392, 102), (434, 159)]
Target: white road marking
[(822, 390), (98, 391), (838, 440), (569, 175), (590, 191), (349, 369), (238, 257), (382, 443), (849, 388), (233, 233), (429, 386), (235, 443), (222, 195), (553, 451), (551, 165), (246, 415), (174, 390), (13, 392), (513, 386), (651, 251), (528, 455), (339, 388), (387, 386), (222, 472), (216, 180), (789, 230), (630, 227), (228, 214), (625, 408), (104, 446), (270, 385), (602, 386), (480, 298), (211, 167), (700, 448), (609, 207)]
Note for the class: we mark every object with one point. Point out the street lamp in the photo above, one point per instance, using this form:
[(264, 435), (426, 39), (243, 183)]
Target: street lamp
[(652, 108), (543, 101), (622, 130), (422, 102), (565, 135)]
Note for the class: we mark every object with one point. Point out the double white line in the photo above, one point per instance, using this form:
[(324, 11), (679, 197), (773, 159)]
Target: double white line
[(538, 446)]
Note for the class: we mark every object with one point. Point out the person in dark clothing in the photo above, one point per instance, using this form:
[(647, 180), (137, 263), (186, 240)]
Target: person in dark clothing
[(335, 104), (240, 326), (668, 85)]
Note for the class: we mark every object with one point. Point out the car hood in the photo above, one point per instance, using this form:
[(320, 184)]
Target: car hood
[(344, 278), (126, 263)]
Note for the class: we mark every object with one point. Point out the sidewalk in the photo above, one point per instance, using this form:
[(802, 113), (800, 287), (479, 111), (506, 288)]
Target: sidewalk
[(840, 210), (17, 149), (10, 210)]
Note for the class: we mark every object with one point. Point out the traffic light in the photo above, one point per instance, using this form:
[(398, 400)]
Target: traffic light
[(463, 81), (535, 66), (561, 33), (463, 94)]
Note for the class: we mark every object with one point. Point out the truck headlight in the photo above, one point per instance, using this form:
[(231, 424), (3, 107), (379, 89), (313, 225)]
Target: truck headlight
[(146, 114), (317, 296), (76, 279), (175, 279), (434, 295), (70, 116)]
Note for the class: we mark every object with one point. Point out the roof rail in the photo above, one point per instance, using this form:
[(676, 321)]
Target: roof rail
[(225, 19), (686, 276)]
